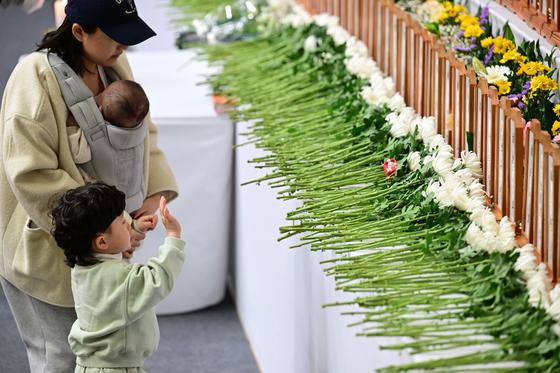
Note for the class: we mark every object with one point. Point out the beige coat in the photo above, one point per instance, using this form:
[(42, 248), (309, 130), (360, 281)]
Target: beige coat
[(37, 165)]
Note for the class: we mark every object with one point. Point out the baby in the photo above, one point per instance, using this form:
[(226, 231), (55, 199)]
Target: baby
[(123, 104), (116, 326)]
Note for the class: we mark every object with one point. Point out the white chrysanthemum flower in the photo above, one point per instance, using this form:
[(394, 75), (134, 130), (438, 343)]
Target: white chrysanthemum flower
[(476, 189), (539, 286), (427, 159), (496, 73), (339, 35), (389, 86), (489, 224), (490, 241), (433, 189), (399, 128), (556, 329), (506, 236), (413, 159), (475, 203), (436, 142), (442, 163), (445, 197), (374, 96), (415, 126), (555, 293), (456, 164), (464, 175), (356, 47), (554, 309), (526, 263), (477, 215), (325, 20), (461, 199), (302, 13), (311, 44), (296, 20), (473, 237), (380, 92), (361, 67), (472, 162), (396, 103), (428, 129), (430, 11)]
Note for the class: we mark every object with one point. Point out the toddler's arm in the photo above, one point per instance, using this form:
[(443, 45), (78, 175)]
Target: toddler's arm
[(148, 284)]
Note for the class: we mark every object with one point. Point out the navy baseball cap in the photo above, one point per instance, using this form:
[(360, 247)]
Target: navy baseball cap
[(117, 18)]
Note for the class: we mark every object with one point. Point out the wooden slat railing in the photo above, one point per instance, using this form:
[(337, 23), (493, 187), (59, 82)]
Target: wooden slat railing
[(542, 15), (521, 165)]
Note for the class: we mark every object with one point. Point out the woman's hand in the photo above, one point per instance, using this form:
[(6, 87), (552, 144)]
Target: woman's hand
[(145, 223), (149, 206)]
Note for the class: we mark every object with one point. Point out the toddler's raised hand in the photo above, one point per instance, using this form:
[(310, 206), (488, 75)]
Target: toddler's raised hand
[(169, 221)]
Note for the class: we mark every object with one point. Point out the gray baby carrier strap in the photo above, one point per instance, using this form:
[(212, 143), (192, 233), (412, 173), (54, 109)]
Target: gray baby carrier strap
[(117, 154)]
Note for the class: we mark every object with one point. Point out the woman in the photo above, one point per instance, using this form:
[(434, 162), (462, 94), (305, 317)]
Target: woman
[(37, 165)]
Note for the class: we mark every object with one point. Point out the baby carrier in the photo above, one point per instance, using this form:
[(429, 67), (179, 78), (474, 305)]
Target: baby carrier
[(117, 153)]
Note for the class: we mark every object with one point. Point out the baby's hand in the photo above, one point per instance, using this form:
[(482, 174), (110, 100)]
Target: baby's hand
[(169, 221), (145, 223)]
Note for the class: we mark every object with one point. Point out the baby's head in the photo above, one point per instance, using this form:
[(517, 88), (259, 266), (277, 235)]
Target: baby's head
[(123, 103), (90, 219)]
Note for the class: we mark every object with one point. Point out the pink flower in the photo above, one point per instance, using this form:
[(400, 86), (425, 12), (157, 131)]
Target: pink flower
[(556, 139), (390, 166)]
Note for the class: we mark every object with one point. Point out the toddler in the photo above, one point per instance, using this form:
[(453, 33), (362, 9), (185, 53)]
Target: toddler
[(116, 328)]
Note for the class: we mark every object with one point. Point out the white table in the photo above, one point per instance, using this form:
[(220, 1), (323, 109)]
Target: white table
[(198, 146)]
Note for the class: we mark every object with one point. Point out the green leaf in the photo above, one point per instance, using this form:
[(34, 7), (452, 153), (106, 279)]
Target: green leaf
[(470, 140), (478, 66), (508, 34), (433, 28)]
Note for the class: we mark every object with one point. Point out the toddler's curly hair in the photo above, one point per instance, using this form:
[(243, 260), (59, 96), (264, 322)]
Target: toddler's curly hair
[(80, 215)]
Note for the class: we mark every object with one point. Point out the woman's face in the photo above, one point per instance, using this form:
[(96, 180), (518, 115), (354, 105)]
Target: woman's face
[(99, 48)]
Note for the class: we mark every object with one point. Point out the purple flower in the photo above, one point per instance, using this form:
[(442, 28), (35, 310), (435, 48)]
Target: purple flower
[(484, 15), (462, 48), (517, 99), (517, 96), (460, 34), (526, 88), (489, 55)]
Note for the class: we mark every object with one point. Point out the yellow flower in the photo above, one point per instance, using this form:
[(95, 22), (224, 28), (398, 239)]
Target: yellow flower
[(557, 109), (458, 9), (473, 31), (555, 127), (532, 68), (504, 87), (466, 20), (513, 55), (443, 17), (502, 45), (486, 42), (541, 83)]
